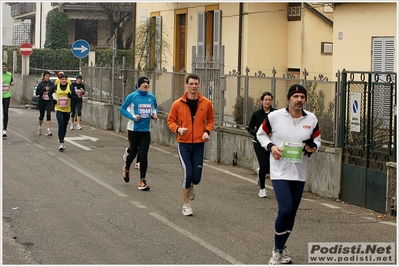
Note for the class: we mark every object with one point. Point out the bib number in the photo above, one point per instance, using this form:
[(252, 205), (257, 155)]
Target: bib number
[(63, 102), (45, 96)]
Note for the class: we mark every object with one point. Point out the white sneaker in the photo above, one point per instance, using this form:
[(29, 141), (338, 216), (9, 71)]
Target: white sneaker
[(187, 210), (137, 166), (71, 127), (4, 133), (39, 131), (280, 257), (262, 193), (78, 127), (125, 155), (62, 147)]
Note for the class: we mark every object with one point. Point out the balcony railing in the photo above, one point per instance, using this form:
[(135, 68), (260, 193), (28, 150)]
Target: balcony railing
[(22, 8)]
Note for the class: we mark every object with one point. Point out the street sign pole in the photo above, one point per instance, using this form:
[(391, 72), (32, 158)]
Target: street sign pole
[(25, 49)]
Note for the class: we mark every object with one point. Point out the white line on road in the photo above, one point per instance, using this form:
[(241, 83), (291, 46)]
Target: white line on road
[(330, 206), (138, 204), (196, 239), (88, 175)]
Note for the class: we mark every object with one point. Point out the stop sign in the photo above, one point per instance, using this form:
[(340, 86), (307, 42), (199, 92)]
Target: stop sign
[(25, 49)]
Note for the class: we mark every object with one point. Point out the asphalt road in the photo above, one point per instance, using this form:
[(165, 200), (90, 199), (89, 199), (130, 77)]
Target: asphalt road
[(73, 207)]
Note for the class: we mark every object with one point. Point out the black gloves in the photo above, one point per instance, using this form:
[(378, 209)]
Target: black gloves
[(54, 101), (310, 143), (69, 95)]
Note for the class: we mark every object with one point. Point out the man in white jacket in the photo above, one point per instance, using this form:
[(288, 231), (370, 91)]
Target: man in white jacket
[(291, 135)]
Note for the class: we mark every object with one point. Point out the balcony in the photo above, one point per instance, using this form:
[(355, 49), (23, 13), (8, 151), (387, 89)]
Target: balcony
[(23, 10)]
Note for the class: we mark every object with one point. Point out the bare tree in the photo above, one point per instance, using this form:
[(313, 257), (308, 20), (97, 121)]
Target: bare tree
[(120, 17)]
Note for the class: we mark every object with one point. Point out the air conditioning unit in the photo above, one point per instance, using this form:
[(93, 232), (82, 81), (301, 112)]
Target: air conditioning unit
[(326, 48)]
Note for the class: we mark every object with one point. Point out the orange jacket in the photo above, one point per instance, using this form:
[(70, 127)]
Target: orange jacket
[(180, 116)]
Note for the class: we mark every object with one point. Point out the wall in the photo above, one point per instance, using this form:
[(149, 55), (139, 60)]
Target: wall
[(358, 23)]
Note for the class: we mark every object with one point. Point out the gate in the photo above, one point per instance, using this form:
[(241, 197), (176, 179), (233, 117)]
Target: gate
[(368, 136)]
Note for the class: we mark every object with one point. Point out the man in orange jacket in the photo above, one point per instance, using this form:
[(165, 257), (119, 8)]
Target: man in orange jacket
[(191, 118)]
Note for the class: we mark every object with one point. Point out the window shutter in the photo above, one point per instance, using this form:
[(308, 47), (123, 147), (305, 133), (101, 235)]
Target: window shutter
[(201, 35), (216, 34), (382, 61)]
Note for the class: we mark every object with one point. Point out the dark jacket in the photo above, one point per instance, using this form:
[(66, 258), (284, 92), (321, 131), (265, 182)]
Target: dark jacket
[(256, 121), (41, 88)]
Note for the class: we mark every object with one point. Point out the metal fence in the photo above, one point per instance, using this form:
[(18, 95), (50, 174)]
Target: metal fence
[(235, 97)]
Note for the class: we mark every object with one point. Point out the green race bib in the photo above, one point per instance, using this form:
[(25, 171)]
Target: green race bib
[(292, 151)]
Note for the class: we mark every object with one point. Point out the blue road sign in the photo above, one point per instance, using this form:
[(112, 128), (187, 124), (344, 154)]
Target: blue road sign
[(80, 48)]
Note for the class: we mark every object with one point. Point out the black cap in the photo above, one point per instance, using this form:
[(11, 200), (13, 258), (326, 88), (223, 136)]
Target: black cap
[(79, 76), (141, 80), (296, 88)]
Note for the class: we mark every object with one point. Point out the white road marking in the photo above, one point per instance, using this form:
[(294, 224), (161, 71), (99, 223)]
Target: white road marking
[(138, 204), (196, 239), (330, 206), (80, 138)]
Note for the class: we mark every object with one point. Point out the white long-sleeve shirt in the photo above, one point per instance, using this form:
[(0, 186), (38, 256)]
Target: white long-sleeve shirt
[(278, 127)]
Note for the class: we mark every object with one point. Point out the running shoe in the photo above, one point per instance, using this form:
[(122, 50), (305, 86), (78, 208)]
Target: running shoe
[(126, 176), (280, 257), (262, 193), (137, 166), (4, 133), (49, 133), (125, 155), (62, 147), (143, 186), (187, 210), (39, 131), (78, 127), (192, 193), (71, 127)]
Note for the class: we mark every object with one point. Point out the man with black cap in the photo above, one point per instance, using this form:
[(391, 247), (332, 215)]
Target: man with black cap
[(76, 104), (139, 107), (7, 81), (291, 135), (45, 103)]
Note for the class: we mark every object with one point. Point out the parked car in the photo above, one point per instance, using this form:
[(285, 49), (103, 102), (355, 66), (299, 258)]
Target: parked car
[(35, 98)]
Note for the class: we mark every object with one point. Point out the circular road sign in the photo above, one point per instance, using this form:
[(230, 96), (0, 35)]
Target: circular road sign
[(80, 48), (25, 49)]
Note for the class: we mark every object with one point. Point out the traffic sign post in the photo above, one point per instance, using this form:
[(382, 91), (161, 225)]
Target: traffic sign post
[(25, 49)]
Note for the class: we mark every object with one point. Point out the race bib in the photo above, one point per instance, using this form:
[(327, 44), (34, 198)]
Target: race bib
[(45, 96), (63, 102), (5, 88), (78, 92), (145, 110), (292, 151)]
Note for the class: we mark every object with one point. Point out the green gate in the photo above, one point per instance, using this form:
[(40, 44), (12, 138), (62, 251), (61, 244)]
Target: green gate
[(367, 136)]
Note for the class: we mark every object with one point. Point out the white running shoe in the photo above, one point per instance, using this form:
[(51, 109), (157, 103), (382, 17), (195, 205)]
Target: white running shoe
[(125, 154), (187, 210), (4, 133), (262, 193), (62, 147), (78, 127), (280, 257), (39, 131), (49, 133), (71, 127), (137, 166)]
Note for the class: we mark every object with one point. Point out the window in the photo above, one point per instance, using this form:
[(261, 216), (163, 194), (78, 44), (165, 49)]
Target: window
[(294, 11)]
